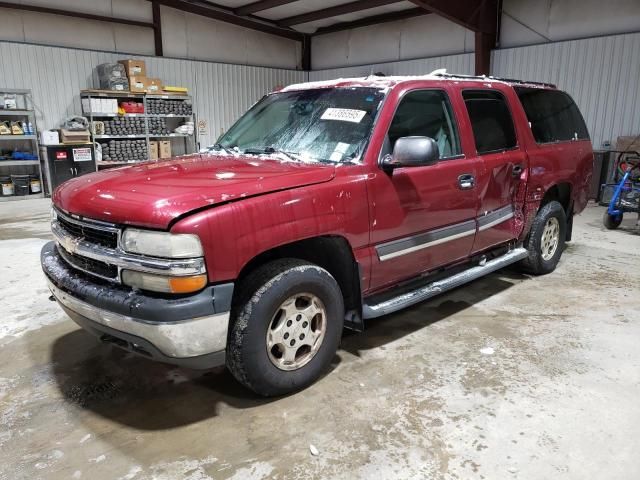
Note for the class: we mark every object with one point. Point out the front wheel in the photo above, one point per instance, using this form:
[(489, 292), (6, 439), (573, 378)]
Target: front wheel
[(546, 239), (611, 222), (287, 325)]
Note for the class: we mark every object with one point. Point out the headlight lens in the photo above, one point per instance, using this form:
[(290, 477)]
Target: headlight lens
[(161, 244), (160, 283)]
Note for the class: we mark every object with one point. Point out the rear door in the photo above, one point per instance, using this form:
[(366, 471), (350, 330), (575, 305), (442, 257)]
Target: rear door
[(423, 217), (501, 165)]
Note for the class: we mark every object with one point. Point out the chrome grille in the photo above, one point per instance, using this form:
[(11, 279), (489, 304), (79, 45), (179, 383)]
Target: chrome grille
[(107, 236), (89, 265), (100, 234)]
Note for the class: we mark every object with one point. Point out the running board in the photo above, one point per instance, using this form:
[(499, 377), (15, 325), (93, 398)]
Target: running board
[(435, 288)]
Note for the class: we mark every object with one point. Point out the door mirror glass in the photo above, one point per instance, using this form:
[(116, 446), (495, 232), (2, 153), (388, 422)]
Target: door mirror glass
[(413, 152)]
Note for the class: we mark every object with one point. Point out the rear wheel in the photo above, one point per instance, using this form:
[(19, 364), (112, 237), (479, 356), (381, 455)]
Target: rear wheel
[(611, 222), (546, 239), (287, 324)]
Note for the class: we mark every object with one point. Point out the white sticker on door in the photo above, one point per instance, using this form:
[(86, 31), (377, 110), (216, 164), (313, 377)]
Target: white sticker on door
[(343, 115)]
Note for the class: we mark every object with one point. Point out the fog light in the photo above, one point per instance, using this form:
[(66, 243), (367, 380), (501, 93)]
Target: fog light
[(160, 283)]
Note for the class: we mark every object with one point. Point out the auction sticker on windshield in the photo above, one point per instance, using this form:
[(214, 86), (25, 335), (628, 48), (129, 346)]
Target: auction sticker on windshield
[(343, 115)]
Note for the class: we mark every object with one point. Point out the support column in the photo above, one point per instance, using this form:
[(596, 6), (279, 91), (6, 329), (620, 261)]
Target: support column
[(483, 45), (305, 63), (157, 28)]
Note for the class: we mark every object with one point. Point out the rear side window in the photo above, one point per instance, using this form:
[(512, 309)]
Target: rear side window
[(490, 120), (553, 115)]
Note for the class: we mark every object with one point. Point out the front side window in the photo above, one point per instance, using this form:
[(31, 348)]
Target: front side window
[(491, 120), (325, 124), (553, 115), (425, 113)]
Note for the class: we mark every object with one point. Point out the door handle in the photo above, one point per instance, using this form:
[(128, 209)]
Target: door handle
[(71, 170), (466, 181), (517, 170), (76, 169)]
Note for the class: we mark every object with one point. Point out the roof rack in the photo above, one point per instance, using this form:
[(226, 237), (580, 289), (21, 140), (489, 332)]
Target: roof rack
[(502, 79)]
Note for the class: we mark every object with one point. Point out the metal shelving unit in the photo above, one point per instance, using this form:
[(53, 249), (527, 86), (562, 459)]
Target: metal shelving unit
[(6, 138), (24, 111), (189, 141)]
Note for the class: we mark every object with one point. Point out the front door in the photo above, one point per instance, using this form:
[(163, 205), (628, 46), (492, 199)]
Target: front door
[(501, 163), (422, 217)]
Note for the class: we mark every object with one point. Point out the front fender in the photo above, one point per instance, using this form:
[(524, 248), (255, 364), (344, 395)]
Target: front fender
[(235, 233)]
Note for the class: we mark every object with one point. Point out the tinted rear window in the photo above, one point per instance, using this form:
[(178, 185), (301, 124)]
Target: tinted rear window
[(490, 120), (553, 115)]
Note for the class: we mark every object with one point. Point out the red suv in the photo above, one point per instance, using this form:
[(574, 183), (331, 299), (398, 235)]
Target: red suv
[(326, 204)]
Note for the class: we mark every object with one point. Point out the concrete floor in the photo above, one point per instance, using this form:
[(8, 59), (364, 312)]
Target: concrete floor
[(510, 377)]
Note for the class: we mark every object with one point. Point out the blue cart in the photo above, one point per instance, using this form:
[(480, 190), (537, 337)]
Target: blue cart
[(626, 195)]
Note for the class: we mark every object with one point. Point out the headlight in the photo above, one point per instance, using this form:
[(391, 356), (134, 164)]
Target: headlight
[(161, 244), (54, 214), (160, 283)]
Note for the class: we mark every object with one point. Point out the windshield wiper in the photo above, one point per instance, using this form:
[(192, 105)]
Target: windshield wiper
[(219, 146), (271, 150)]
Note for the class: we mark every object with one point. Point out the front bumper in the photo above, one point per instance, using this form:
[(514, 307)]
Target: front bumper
[(188, 330)]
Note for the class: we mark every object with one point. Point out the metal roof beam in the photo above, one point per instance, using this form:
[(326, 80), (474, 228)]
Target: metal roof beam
[(334, 11), (478, 16), (75, 14), (374, 20), (260, 6), (227, 15)]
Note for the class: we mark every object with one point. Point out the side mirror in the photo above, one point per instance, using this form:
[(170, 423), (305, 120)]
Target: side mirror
[(413, 152)]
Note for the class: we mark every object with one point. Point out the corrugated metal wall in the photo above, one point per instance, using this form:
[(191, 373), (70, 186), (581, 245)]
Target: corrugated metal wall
[(463, 63), (601, 74), (221, 92)]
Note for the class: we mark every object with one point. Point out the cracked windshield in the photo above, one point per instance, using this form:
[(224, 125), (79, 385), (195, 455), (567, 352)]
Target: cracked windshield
[(325, 125)]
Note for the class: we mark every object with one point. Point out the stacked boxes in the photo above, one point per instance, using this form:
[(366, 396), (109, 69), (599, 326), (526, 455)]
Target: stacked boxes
[(138, 84), (133, 68), (136, 71)]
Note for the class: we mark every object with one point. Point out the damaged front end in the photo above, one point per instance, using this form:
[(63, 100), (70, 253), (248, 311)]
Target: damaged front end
[(84, 268)]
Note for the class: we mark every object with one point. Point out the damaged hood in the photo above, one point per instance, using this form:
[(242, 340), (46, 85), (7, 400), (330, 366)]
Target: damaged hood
[(153, 194)]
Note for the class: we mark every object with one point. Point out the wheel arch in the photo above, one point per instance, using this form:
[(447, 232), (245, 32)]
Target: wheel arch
[(331, 252), (560, 192)]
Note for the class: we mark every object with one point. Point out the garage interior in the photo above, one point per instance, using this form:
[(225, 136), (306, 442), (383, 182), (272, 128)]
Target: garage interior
[(510, 376)]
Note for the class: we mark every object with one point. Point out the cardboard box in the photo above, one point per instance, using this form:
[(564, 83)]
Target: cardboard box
[(624, 144), (153, 150), (134, 68), (138, 84), (154, 85), (164, 147), (50, 137), (73, 136)]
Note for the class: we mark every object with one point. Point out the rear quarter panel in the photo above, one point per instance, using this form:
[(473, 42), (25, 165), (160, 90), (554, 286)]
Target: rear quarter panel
[(551, 164)]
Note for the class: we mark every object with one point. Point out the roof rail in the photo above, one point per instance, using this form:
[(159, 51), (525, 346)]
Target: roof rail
[(502, 79)]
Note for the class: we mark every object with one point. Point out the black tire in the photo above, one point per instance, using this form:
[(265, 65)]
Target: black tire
[(258, 300), (535, 263), (611, 222)]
